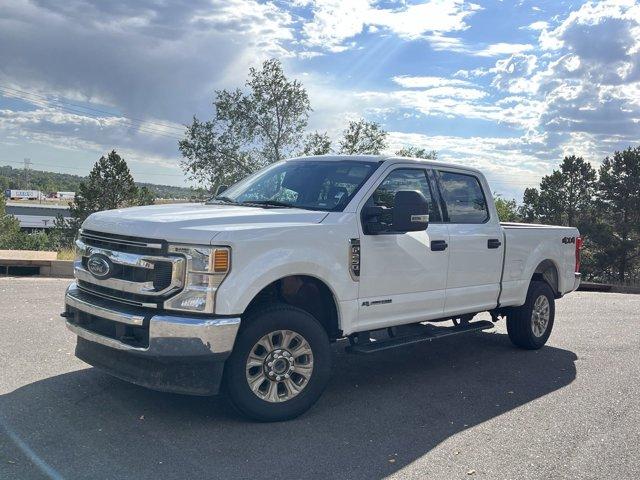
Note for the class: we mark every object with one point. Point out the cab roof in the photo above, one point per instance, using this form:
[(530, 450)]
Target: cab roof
[(386, 159)]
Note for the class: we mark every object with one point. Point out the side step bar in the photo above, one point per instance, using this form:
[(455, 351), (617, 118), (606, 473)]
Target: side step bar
[(429, 333)]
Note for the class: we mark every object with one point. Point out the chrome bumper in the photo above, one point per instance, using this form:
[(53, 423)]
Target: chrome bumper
[(169, 335)]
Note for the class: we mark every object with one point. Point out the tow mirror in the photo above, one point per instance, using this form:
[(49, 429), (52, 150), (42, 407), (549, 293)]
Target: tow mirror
[(410, 211)]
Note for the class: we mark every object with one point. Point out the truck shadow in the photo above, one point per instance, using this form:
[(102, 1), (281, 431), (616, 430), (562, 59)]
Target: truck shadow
[(380, 413)]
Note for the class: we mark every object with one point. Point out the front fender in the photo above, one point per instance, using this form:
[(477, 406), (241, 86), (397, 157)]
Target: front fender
[(237, 291)]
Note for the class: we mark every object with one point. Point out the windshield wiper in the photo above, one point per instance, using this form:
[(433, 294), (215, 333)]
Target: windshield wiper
[(222, 201), (270, 203)]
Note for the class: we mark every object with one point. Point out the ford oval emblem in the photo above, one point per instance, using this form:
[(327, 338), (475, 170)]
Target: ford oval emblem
[(99, 266)]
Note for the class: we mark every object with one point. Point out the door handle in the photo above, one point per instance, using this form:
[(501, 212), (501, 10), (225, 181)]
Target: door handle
[(438, 245), (493, 243)]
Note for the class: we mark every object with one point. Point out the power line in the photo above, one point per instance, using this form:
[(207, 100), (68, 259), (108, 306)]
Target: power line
[(85, 107), (141, 125), (79, 169)]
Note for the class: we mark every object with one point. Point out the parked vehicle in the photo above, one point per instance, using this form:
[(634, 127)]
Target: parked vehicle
[(65, 195), (249, 289), (23, 194)]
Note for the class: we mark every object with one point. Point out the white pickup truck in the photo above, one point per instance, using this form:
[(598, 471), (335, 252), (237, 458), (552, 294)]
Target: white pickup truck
[(246, 291)]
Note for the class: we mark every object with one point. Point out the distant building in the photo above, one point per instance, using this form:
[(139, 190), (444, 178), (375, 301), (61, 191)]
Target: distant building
[(37, 217)]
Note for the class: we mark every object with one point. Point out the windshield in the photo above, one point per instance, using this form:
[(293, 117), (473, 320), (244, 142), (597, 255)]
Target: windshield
[(308, 184)]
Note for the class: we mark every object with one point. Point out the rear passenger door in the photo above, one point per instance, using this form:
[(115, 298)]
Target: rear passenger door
[(475, 242)]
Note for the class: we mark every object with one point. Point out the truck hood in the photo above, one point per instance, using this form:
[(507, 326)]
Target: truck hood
[(195, 223)]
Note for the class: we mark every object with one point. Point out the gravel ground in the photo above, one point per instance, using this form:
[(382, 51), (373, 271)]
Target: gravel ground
[(466, 407)]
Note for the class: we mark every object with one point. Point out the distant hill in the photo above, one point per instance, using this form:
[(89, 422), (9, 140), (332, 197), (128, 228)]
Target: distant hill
[(48, 182)]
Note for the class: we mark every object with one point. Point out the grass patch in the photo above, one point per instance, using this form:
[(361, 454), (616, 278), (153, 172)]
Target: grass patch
[(66, 254)]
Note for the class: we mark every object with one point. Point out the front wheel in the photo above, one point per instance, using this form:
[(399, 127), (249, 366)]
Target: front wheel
[(280, 364), (529, 326)]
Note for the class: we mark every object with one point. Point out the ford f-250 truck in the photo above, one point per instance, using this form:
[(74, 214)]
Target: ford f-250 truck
[(248, 290)]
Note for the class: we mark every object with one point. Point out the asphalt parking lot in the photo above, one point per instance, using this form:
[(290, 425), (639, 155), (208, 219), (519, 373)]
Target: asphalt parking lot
[(466, 407)]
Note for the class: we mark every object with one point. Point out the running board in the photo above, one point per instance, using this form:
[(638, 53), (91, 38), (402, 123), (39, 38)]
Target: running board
[(429, 333)]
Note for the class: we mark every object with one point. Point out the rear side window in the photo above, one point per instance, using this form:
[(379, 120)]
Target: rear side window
[(464, 198)]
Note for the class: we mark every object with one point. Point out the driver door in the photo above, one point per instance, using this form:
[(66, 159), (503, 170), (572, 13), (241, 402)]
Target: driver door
[(402, 275)]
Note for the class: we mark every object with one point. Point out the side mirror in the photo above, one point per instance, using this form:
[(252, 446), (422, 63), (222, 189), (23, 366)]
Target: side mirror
[(410, 211), (221, 189)]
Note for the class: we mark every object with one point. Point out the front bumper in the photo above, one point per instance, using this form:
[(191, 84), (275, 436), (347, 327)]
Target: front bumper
[(160, 351)]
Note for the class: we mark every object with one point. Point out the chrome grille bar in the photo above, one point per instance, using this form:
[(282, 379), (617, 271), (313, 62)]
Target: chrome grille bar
[(122, 258), (141, 288), (132, 260), (87, 289), (117, 240)]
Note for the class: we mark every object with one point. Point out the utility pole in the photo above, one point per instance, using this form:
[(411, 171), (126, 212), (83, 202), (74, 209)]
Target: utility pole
[(27, 166)]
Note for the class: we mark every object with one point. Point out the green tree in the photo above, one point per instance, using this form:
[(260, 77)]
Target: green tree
[(108, 186), (249, 130), (551, 201), (529, 210), (417, 152), (566, 196), (316, 143), (10, 235), (362, 137), (145, 196), (507, 209), (619, 208)]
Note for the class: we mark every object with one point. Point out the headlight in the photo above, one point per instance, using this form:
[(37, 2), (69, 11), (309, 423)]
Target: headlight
[(206, 269)]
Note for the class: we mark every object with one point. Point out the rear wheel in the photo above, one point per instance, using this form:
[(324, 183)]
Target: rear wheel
[(280, 364), (529, 326)]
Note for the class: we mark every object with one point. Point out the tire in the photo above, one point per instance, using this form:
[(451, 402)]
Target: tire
[(299, 348), (525, 324)]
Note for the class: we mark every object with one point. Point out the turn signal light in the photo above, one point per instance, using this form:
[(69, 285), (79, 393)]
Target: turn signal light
[(221, 260)]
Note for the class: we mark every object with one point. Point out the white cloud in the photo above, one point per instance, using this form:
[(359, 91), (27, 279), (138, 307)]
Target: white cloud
[(336, 21), (539, 25), (432, 16), (498, 49), (407, 81), (452, 44), (586, 86)]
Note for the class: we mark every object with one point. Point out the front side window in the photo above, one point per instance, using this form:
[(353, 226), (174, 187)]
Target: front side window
[(404, 179), (463, 198), (309, 184)]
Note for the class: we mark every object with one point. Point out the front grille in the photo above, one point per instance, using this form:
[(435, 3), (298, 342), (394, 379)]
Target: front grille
[(139, 272), (123, 243), (160, 275)]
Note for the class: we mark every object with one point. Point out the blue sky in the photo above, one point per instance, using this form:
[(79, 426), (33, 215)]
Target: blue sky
[(507, 86)]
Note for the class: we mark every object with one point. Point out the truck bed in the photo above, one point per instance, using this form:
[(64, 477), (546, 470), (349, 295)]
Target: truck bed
[(534, 248)]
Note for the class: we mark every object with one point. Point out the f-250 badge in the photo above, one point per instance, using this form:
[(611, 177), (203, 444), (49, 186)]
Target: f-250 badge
[(569, 240)]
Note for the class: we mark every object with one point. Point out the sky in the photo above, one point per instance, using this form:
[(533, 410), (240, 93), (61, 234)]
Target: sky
[(509, 87)]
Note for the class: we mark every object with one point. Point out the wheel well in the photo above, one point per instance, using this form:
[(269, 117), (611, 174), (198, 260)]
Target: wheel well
[(547, 272), (305, 292)]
